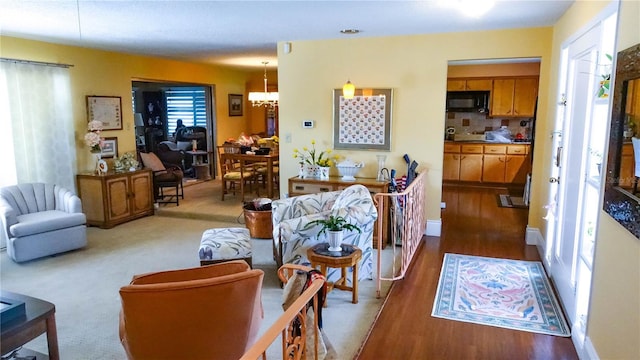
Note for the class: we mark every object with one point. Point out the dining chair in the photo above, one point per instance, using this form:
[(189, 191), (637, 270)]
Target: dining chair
[(229, 149), (233, 175), (262, 172), (165, 175)]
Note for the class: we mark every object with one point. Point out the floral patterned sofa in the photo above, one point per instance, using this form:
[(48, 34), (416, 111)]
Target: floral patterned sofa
[(291, 215)]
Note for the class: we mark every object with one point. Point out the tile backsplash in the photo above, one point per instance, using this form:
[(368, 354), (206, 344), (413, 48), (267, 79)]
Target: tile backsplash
[(475, 123)]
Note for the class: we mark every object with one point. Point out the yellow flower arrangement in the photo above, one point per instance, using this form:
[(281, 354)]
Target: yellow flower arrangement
[(309, 156)]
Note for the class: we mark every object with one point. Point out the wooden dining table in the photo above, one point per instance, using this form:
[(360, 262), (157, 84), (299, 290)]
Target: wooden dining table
[(270, 159)]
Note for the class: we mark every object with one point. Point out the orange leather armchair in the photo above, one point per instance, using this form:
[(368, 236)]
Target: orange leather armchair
[(209, 312)]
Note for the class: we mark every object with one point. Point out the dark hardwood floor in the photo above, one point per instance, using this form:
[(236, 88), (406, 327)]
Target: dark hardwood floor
[(473, 224)]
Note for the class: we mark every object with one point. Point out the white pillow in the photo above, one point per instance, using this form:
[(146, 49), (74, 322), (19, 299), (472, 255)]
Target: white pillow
[(184, 145)]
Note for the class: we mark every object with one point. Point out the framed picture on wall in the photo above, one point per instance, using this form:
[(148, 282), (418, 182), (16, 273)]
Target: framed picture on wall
[(363, 122), (110, 147), (235, 105), (107, 109)]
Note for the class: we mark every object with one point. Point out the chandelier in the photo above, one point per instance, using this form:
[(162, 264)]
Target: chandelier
[(268, 99)]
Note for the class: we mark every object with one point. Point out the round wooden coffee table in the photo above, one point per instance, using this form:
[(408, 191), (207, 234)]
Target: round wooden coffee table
[(348, 257)]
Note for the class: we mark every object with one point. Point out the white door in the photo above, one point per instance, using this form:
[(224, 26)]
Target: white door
[(579, 142), (582, 58)]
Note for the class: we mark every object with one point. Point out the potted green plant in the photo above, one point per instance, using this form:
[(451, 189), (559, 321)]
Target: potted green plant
[(335, 225)]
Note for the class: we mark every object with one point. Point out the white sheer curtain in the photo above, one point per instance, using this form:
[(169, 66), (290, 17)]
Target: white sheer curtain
[(37, 141)]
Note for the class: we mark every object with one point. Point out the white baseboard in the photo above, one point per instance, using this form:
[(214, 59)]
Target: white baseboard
[(533, 236), (434, 227), (588, 352)]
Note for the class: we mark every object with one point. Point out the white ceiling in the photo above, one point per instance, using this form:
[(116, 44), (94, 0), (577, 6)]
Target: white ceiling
[(245, 33)]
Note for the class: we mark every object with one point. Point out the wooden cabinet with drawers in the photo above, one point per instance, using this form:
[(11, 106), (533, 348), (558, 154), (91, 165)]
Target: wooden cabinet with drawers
[(115, 198), (471, 162), (487, 163), (451, 162), (298, 186), (505, 164)]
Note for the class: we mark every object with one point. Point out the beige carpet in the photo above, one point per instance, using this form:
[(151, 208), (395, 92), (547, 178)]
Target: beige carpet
[(84, 284)]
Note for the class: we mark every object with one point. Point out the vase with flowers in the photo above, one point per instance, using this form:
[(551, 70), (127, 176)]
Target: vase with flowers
[(312, 163), (93, 140)]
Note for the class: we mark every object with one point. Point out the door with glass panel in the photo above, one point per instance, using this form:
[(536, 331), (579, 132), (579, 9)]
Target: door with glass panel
[(580, 142)]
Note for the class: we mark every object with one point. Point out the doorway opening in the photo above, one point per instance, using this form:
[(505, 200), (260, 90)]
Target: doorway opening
[(180, 116), (492, 145)]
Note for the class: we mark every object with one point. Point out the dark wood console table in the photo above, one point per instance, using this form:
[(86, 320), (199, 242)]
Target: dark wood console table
[(39, 318)]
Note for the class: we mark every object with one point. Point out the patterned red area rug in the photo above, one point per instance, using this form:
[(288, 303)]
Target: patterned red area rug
[(511, 294)]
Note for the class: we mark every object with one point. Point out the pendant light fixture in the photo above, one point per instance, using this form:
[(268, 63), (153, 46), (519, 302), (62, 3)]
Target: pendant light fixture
[(348, 90), (268, 99)]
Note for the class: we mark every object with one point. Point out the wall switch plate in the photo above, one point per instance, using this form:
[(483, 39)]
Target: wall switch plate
[(307, 124), (287, 137)]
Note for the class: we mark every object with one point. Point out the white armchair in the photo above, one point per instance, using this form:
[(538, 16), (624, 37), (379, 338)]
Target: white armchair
[(38, 220), (290, 216)]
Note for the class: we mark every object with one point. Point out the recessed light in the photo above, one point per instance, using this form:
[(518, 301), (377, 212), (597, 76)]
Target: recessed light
[(349, 31)]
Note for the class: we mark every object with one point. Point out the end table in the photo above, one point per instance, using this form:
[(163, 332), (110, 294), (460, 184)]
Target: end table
[(348, 257)]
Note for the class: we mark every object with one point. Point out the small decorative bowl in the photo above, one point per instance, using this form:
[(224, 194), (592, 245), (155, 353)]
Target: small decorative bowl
[(348, 169)]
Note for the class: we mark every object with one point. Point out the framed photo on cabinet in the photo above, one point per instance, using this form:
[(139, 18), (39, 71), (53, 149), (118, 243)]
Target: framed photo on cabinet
[(110, 147), (107, 109)]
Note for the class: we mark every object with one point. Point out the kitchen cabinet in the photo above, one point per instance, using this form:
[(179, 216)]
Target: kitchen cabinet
[(480, 84), (116, 197), (505, 164), (494, 163), (451, 167), (451, 162), (627, 166), (298, 186), (514, 97), (516, 169), (471, 162), (462, 162), (487, 163)]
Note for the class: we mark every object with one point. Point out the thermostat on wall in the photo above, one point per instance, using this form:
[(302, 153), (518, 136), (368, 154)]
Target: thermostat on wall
[(307, 124)]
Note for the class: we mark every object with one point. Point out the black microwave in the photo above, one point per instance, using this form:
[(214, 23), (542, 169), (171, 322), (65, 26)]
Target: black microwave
[(468, 101)]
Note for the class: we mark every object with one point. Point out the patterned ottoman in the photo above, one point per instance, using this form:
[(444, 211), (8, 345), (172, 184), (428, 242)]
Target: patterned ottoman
[(224, 244)]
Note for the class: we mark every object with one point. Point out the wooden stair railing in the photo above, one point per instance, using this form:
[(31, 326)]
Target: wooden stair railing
[(411, 229)]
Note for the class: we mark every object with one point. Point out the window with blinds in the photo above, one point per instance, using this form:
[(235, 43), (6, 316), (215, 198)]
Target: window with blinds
[(188, 104)]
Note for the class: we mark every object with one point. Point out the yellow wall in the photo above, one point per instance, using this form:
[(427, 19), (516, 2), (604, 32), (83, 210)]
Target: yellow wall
[(96, 72), (415, 67), (614, 317)]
